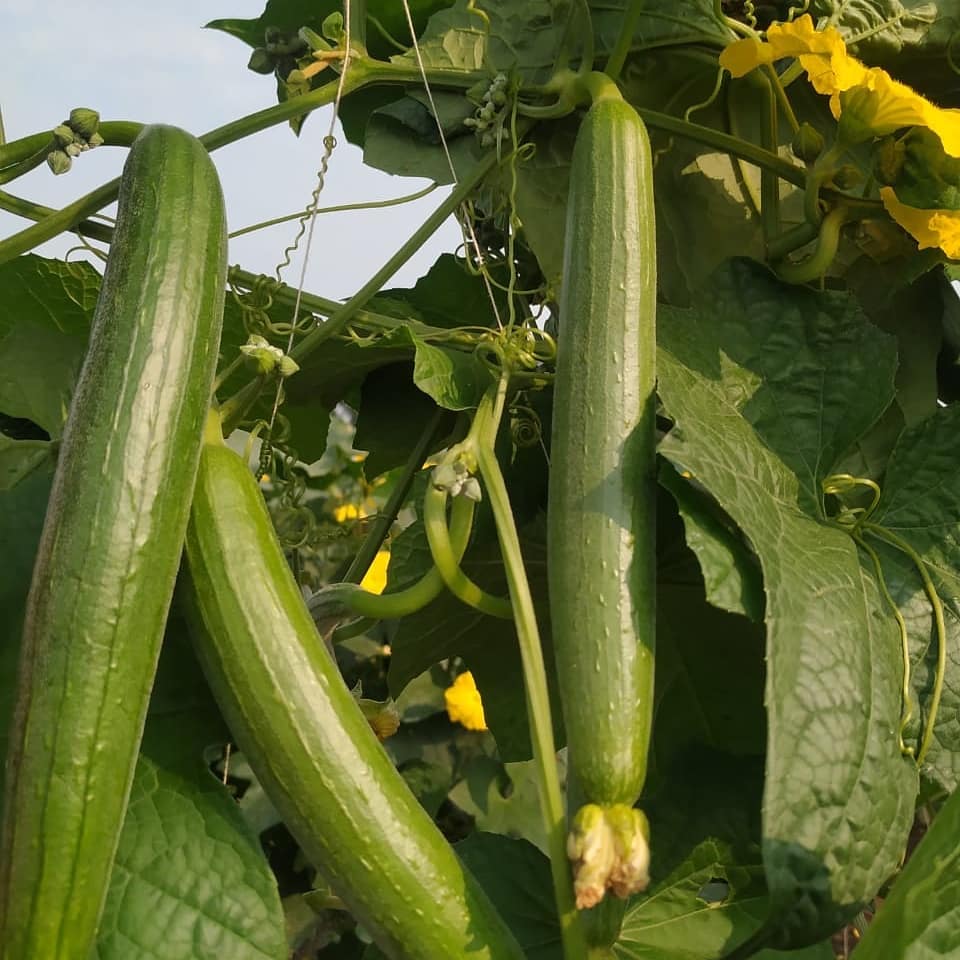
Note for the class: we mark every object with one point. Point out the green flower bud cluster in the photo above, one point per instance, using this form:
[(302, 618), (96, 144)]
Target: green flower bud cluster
[(278, 53), (487, 120), (268, 359), (72, 137)]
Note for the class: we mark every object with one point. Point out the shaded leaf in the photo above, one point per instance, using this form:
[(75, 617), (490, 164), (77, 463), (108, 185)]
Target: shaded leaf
[(730, 571), (768, 386), (516, 877), (19, 458), (503, 799), (709, 678), (391, 418)]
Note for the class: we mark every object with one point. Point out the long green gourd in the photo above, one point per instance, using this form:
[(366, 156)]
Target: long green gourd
[(110, 549), (602, 551), (307, 740)]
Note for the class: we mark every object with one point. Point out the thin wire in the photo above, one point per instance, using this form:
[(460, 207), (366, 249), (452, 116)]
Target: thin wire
[(328, 142), (471, 235)]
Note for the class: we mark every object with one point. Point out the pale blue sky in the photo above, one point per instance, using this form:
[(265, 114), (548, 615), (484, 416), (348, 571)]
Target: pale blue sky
[(156, 64)]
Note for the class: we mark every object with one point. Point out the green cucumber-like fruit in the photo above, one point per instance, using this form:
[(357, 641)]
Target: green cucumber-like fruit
[(602, 560), (307, 740), (111, 545)]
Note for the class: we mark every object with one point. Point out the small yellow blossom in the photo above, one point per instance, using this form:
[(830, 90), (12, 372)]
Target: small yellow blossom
[(347, 511), (375, 579), (931, 228), (463, 702)]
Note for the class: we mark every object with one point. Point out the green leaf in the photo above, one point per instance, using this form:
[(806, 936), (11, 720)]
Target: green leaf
[(708, 893), (768, 386), (48, 306), (391, 418), (920, 919), (516, 877), (22, 511), (289, 15), (19, 458), (730, 570), (913, 315), (506, 36), (663, 23), (190, 880), (503, 799), (401, 138), (920, 504), (709, 679)]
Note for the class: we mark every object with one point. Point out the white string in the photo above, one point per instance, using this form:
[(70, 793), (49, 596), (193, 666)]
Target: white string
[(329, 143), (471, 235)]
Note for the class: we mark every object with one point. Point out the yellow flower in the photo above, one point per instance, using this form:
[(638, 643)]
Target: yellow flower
[(347, 511), (822, 53), (463, 702), (878, 103), (931, 228), (375, 578)]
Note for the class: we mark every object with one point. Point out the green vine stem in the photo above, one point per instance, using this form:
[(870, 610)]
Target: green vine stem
[(340, 208), (534, 673), (398, 495), (758, 156), (365, 320), (621, 49), (882, 533), (36, 211), (402, 603), (446, 561), (906, 708), (817, 264)]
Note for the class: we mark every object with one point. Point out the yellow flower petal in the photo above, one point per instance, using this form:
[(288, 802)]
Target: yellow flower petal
[(463, 702), (884, 105), (375, 578), (930, 228), (822, 53)]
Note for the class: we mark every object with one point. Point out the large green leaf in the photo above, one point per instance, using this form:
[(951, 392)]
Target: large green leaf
[(920, 919), (768, 385), (190, 881)]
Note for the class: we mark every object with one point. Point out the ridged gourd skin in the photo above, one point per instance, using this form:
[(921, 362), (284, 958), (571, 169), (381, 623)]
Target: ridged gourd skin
[(308, 742), (111, 545), (602, 555)]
